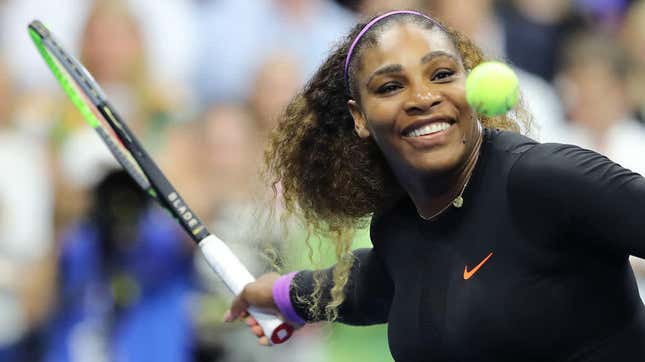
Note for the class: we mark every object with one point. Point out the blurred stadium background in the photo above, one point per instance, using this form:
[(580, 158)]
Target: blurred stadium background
[(90, 272)]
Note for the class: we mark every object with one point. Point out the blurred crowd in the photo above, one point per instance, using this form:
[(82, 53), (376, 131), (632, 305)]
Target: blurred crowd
[(90, 270)]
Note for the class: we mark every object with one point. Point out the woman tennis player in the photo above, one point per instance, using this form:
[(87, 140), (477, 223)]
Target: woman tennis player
[(487, 246)]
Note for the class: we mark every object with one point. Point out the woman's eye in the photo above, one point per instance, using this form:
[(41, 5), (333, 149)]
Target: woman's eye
[(388, 88), (442, 74)]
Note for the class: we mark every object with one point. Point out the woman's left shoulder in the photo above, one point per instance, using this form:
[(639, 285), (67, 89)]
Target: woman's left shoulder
[(508, 141), (559, 159), (533, 156), (555, 168)]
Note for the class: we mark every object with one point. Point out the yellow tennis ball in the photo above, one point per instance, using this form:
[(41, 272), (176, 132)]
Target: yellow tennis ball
[(492, 88)]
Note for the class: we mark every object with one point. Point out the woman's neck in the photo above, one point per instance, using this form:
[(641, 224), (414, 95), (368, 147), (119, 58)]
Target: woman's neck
[(433, 201)]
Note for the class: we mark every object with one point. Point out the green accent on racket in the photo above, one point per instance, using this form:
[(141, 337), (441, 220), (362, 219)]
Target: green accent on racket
[(69, 88)]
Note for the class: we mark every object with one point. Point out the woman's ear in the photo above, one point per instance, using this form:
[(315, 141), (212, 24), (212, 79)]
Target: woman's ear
[(360, 123)]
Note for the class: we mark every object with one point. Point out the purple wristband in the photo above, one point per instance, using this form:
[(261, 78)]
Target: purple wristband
[(282, 298)]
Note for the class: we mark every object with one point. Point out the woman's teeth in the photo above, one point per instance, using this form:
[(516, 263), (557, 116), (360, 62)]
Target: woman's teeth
[(428, 129)]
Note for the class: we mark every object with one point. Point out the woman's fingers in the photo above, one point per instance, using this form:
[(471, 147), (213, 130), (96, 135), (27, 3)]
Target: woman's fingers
[(230, 317), (260, 295), (257, 331), (254, 326), (238, 309), (250, 321), (263, 341)]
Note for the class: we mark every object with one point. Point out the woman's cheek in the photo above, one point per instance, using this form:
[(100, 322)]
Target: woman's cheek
[(383, 115)]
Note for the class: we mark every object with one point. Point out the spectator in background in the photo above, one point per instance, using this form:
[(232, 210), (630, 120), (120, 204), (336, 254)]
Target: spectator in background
[(232, 148), (125, 278), (480, 21), (167, 27), (26, 232), (633, 40), (592, 82), (477, 19), (593, 85), (236, 36), (112, 49), (535, 27), (181, 158), (168, 31), (65, 19), (233, 153), (276, 82), (605, 14)]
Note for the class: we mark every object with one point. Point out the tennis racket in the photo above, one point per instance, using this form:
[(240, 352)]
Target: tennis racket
[(90, 100)]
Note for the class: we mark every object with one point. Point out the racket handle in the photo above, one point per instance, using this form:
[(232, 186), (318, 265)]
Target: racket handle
[(222, 260)]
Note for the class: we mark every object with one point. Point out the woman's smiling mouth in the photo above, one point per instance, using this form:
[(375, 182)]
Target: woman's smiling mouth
[(428, 133), (428, 129)]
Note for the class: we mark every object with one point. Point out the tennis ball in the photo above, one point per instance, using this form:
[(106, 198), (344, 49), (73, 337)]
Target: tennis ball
[(492, 88)]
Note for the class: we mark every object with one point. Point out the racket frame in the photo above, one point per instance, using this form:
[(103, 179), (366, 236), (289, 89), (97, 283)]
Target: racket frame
[(148, 175)]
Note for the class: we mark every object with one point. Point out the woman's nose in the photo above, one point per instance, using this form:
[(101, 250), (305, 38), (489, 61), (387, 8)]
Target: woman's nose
[(421, 99)]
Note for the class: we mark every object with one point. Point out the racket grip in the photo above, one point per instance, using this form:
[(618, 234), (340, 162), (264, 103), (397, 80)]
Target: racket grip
[(235, 276)]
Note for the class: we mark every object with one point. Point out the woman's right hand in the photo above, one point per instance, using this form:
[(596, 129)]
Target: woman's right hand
[(258, 294)]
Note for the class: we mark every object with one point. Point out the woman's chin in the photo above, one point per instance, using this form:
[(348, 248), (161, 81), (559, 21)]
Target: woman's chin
[(439, 161)]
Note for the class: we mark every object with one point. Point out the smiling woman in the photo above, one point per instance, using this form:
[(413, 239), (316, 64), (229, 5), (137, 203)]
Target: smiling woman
[(417, 111), (336, 179), (487, 246)]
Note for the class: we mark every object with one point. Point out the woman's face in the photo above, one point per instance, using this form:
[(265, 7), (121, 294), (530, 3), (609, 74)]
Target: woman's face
[(413, 100)]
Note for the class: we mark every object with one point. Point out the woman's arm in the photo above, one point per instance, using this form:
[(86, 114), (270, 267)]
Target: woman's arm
[(368, 294), (583, 193)]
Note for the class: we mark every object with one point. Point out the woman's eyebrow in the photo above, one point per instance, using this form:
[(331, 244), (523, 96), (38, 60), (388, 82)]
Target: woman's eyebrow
[(397, 68), (437, 53), (390, 68)]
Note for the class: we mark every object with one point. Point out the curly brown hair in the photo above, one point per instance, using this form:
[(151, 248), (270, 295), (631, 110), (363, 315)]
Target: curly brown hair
[(331, 177)]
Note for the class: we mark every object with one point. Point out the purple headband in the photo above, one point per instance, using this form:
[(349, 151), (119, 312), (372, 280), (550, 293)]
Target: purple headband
[(368, 26)]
